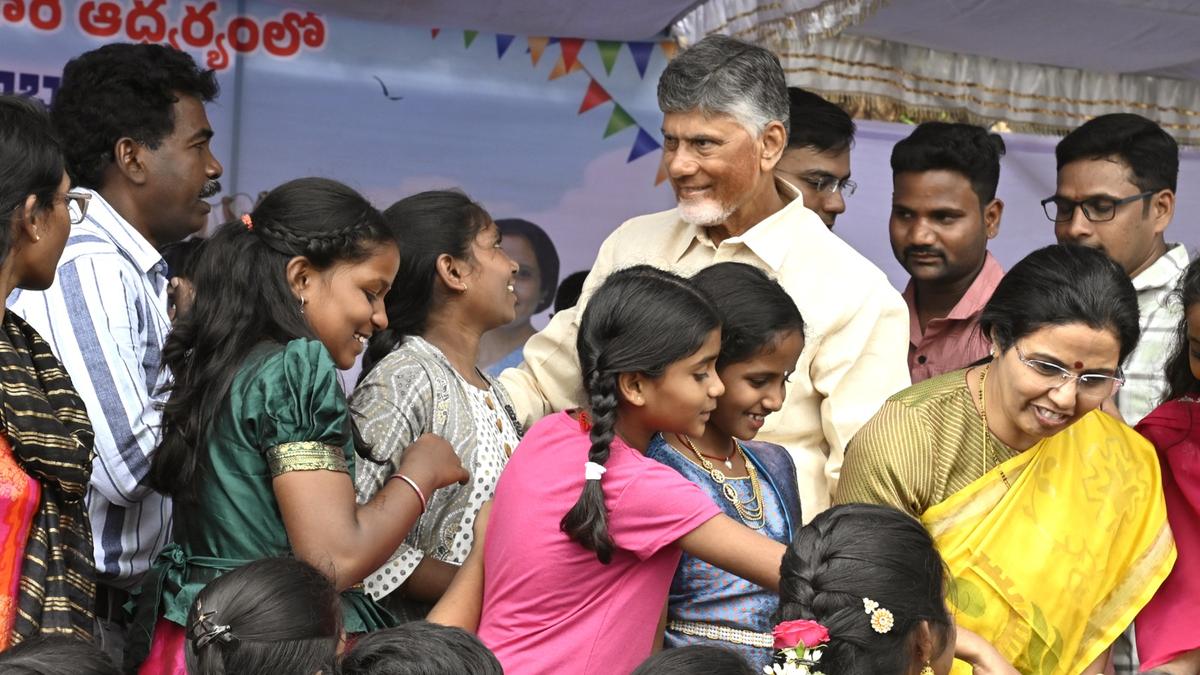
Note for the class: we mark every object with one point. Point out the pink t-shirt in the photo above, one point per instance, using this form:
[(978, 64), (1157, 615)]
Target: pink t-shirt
[(549, 606)]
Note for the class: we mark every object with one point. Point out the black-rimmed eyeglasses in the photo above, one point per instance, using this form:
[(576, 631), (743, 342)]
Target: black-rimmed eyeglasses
[(1095, 209)]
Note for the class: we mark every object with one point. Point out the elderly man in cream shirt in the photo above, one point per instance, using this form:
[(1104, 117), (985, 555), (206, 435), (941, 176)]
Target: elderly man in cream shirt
[(725, 117)]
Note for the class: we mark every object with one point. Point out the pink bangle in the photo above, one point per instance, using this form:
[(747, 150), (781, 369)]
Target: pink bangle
[(416, 488)]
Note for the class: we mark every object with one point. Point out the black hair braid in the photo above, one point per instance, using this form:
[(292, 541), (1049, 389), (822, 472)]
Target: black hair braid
[(317, 246), (587, 521)]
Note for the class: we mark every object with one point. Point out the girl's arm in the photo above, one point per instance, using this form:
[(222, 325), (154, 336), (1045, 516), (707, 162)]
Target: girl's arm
[(462, 603), (328, 530), (983, 657), (735, 548)]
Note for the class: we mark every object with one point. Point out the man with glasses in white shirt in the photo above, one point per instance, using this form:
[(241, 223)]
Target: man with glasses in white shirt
[(817, 158)]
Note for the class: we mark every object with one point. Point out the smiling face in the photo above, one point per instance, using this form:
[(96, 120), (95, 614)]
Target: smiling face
[(1134, 236), (805, 167), (715, 166), (491, 292), (1031, 407), (344, 303), (528, 281), (938, 230), (683, 398), (180, 174), (755, 387)]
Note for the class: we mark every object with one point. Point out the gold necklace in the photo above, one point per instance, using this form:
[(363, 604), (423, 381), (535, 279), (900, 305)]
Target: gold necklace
[(749, 514), (987, 447)]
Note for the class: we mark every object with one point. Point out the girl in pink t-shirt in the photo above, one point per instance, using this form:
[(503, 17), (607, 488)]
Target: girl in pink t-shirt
[(585, 532)]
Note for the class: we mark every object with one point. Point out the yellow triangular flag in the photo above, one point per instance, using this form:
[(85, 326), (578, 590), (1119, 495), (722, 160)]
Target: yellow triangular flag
[(662, 173), (669, 47), (537, 45)]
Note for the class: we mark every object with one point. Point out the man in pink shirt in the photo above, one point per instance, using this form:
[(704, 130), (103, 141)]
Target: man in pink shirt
[(944, 211)]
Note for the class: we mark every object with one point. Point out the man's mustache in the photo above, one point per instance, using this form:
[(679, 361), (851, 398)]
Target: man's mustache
[(923, 251), (210, 189)]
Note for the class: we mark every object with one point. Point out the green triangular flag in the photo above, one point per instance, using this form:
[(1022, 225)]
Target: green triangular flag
[(618, 121), (469, 37), (608, 53)]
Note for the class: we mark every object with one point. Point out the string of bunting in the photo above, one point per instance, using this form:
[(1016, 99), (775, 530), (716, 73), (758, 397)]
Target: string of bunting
[(595, 95)]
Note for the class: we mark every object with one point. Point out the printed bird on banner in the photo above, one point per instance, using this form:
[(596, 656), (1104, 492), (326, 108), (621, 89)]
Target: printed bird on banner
[(386, 93)]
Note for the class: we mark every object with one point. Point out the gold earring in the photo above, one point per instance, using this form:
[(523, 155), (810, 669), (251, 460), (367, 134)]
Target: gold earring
[(928, 669)]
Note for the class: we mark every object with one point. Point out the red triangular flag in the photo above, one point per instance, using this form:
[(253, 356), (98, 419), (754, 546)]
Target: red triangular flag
[(570, 51), (595, 96), (434, 32)]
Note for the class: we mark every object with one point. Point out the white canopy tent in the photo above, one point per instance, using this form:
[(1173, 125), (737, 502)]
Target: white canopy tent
[(1036, 66)]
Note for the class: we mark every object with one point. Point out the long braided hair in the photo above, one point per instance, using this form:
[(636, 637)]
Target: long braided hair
[(641, 320), (858, 551), (242, 299)]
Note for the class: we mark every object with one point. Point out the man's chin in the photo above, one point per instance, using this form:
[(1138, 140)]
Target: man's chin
[(702, 215)]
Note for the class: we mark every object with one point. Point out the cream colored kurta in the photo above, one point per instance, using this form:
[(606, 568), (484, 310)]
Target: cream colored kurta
[(856, 334)]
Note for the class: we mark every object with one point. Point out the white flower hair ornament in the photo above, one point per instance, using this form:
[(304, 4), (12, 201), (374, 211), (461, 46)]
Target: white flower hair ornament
[(881, 619)]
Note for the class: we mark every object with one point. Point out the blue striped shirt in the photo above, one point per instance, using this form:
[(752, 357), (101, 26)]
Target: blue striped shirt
[(106, 319)]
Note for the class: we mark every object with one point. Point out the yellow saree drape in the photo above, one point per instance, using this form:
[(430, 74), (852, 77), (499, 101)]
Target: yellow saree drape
[(1052, 569)]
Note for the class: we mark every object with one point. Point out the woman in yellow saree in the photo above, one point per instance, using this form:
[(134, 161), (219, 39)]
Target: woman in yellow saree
[(1048, 512)]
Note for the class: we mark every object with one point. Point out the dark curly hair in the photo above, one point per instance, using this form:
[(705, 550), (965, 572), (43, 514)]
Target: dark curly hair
[(121, 91), (858, 551), (242, 299), (1180, 380), (965, 149)]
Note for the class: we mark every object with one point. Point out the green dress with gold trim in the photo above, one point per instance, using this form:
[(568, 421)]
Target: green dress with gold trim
[(285, 412)]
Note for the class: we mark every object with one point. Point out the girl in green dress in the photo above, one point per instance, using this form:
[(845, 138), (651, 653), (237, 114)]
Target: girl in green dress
[(257, 448)]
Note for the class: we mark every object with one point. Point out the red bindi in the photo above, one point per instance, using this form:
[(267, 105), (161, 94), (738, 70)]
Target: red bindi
[(1078, 365)]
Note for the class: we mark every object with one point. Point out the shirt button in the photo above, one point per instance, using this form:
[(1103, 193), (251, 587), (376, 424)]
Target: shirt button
[(921, 359)]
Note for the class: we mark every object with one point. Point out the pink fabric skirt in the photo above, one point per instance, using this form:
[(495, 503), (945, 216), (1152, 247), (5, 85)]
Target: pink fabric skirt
[(166, 651)]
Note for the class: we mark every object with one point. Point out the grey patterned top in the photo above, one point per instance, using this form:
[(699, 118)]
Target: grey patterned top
[(412, 391)]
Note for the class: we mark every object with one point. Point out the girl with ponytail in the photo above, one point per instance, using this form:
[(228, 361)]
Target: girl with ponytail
[(585, 532), (258, 447), (864, 587)]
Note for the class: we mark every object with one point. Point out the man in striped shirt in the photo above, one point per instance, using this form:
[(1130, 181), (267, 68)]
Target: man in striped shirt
[(132, 123)]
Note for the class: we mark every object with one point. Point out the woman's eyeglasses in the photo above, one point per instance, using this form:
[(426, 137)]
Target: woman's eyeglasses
[(77, 205), (1091, 386)]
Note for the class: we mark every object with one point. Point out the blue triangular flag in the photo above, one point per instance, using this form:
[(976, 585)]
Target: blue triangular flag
[(643, 144), (641, 55), (502, 44)]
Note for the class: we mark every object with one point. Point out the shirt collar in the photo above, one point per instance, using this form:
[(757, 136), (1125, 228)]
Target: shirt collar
[(767, 239), (977, 295), (124, 235), (1165, 271)]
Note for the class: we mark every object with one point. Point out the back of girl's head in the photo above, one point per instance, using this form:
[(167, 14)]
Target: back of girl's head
[(695, 660), (242, 297), (420, 648), (858, 551), (1059, 285), (277, 615), (640, 320), (426, 225), (755, 310), (31, 161), (56, 655), (1180, 378)]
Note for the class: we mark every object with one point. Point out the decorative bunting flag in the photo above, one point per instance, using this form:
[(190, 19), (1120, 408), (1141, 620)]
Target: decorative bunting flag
[(537, 45), (641, 55), (608, 53), (644, 144), (595, 96), (618, 121), (434, 32), (503, 42), (662, 173), (469, 37), (561, 69), (669, 48), (570, 50)]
